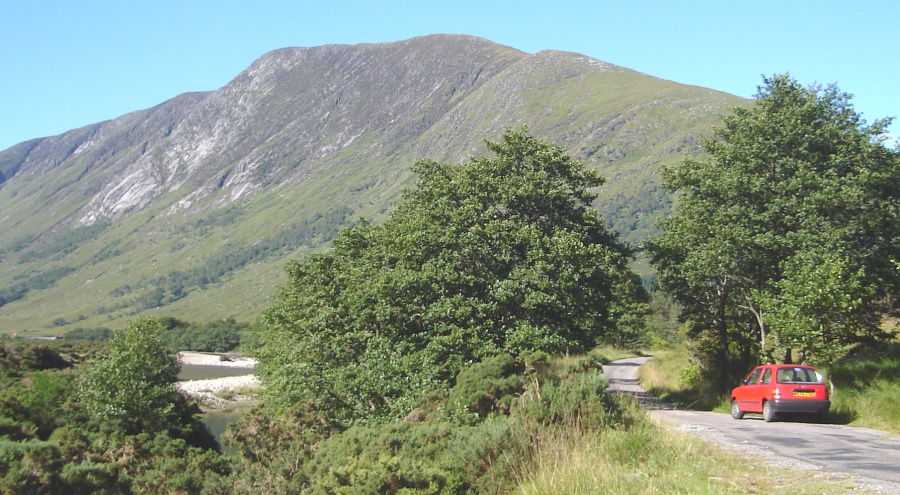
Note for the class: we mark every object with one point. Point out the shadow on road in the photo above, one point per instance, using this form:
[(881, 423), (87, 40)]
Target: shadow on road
[(646, 401)]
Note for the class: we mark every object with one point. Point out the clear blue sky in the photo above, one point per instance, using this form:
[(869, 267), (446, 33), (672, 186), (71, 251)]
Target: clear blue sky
[(70, 63)]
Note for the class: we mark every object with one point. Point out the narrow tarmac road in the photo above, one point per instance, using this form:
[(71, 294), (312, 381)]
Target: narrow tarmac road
[(868, 453)]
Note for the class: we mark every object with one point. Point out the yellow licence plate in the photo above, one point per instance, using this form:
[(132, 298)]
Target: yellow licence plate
[(804, 394)]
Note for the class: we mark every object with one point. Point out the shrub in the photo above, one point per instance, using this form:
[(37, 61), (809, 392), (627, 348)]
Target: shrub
[(489, 386), (414, 458), (273, 449), (579, 401), (42, 357), (29, 467)]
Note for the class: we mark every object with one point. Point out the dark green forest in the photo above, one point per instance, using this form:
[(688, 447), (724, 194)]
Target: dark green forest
[(165, 289)]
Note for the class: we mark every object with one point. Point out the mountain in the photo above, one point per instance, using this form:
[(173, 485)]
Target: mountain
[(190, 208)]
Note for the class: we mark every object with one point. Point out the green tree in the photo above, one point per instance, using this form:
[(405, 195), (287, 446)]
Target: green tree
[(133, 386), (501, 254), (794, 182), (820, 308)]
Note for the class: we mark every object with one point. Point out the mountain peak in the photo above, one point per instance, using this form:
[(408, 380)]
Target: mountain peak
[(307, 135)]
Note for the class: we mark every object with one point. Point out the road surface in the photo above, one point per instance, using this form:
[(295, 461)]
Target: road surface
[(868, 453)]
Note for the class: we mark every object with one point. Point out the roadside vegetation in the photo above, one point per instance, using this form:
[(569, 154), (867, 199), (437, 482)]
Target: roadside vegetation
[(534, 425), (868, 388), (650, 459)]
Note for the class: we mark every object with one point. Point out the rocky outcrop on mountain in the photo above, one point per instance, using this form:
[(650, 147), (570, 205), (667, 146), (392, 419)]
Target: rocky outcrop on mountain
[(271, 124)]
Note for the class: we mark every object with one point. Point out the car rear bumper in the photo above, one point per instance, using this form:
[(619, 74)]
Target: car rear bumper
[(800, 406)]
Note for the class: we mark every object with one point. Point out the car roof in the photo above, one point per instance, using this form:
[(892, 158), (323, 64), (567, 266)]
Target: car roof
[(782, 365)]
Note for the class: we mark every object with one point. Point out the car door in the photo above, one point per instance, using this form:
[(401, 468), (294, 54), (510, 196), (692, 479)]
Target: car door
[(763, 391), (748, 395)]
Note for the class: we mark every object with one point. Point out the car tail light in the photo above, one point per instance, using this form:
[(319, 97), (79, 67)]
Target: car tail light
[(776, 394)]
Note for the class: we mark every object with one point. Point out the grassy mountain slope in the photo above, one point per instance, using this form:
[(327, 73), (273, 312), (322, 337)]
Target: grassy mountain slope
[(190, 208)]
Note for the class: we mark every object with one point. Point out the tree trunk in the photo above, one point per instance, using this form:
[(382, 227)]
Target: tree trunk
[(722, 331), (831, 388), (761, 323)]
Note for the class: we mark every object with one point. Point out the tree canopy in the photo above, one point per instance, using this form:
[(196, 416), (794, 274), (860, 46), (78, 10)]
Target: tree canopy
[(134, 385), (500, 254), (113, 424), (785, 237)]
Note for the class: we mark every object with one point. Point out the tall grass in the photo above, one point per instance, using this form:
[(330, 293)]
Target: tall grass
[(867, 390), (667, 377), (646, 459), (877, 406)]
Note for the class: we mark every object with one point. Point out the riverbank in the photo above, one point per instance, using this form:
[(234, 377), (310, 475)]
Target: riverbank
[(223, 393), (220, 393), (214, 359)]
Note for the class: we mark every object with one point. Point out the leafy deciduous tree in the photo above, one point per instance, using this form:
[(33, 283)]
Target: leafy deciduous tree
[(796, 183), (133, 386), (502, 254)]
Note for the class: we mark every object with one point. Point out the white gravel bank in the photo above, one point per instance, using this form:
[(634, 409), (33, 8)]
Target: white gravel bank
[(210, 359), (209, 392), (213, 385)]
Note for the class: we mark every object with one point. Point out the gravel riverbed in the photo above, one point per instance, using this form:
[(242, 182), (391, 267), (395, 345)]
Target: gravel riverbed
[(218, 393)]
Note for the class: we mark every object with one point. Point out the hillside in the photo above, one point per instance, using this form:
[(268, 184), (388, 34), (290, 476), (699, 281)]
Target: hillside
[(190, 208)]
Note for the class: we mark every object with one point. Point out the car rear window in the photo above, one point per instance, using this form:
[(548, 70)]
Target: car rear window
[(797, 375)]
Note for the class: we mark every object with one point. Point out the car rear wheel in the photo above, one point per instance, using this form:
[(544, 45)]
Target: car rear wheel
[(768, 412), (736, 412)]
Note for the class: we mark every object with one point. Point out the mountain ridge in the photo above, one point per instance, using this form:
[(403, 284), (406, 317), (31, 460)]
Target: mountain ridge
[(301, 137)]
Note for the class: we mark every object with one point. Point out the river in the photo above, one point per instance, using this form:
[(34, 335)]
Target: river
[(217, 420)]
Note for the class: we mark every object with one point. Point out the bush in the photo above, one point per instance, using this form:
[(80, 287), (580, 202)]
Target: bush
[(579, 401), (489, 386), (42, 357), (119, 438), (412, 458), (29, 467), (473, 439), (272, 449), (219, 336)]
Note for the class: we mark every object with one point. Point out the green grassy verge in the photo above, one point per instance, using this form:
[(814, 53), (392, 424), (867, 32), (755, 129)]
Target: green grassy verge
[(664, 378), (868, 390), (649, 459)]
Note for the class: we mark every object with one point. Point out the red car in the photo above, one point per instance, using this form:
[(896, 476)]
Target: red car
[(772, 389)]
